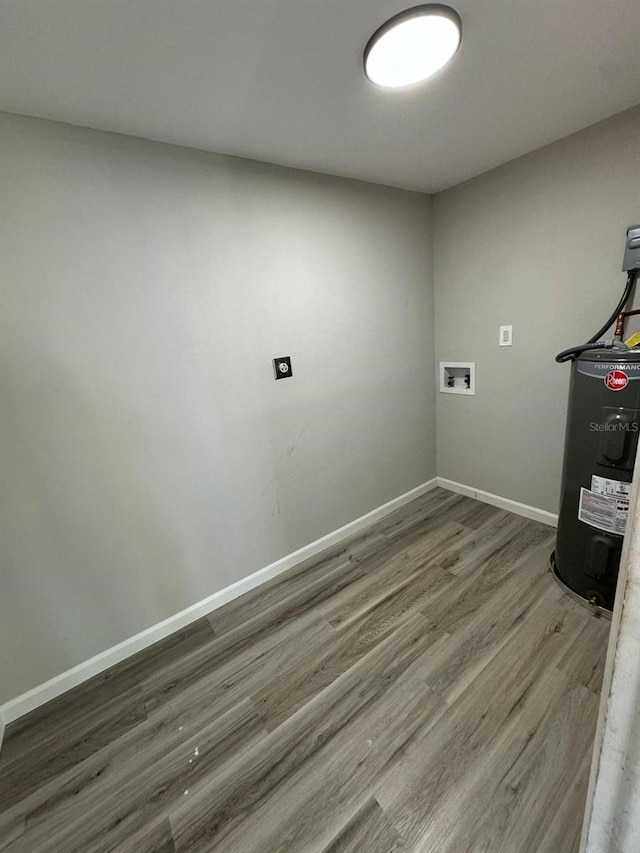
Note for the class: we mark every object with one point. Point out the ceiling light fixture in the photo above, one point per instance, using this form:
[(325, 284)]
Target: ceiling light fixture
[(412, 46)]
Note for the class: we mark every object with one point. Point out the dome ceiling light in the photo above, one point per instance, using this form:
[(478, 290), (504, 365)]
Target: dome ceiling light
[(412, 46)]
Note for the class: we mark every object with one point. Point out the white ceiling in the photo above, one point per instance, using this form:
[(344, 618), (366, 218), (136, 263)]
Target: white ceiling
[(282, 81)]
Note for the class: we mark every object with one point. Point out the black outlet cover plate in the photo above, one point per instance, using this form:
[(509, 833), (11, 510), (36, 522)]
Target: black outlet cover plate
[(282, 367)]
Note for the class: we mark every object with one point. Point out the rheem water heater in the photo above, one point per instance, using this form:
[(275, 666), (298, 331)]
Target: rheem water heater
[(603, 423)]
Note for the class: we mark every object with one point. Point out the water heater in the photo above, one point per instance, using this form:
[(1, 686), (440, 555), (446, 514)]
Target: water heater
[(603, 424), (603, 421)]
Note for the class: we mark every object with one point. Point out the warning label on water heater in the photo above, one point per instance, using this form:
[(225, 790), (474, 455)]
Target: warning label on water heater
[(606, 506), (605, 486)]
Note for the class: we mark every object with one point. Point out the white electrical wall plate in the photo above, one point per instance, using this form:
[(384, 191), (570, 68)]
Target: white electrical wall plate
[(458, 377), (506, 336)]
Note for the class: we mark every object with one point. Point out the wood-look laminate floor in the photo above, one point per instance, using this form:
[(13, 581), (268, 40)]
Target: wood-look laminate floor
[(423, 688)]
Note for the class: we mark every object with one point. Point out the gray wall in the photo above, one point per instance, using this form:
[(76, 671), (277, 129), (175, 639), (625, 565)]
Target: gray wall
[(536, 243), (148, 458)]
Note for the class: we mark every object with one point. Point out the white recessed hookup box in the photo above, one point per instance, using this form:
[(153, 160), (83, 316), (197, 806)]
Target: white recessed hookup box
[(458, 377)]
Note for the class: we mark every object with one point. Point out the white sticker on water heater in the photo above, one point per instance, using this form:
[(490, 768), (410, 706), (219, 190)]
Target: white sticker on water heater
[(605, 486), (606, 512)]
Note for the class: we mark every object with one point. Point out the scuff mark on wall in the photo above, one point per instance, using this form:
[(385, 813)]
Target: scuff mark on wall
[(285, 468), (291, 449), (269, 484)]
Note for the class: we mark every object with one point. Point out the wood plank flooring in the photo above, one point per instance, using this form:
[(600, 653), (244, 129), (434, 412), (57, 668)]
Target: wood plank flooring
[(422, 688)]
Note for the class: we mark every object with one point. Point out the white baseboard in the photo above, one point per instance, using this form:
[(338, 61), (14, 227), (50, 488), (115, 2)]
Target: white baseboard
[(504, 503), (55, 687)]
